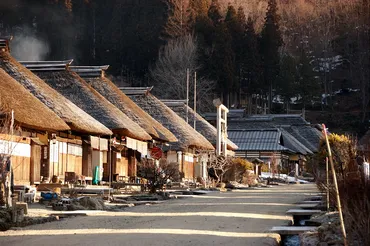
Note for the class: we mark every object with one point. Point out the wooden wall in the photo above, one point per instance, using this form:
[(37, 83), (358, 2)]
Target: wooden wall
[(122, 166), (21, 169), (65, 157)]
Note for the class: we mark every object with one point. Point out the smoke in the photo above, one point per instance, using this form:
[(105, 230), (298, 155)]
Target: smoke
[(26, 46)]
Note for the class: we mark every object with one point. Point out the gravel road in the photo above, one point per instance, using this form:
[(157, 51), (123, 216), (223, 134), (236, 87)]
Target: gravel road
[(232, 218)]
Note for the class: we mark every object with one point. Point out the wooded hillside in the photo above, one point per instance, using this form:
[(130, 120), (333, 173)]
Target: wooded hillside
[(281, 55)]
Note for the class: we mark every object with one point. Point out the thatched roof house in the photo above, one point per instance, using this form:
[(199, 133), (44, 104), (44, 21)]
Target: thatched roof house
[(94, 76), (186, 135), (29, 112), (202, 126), (76, 118), (73, 87)]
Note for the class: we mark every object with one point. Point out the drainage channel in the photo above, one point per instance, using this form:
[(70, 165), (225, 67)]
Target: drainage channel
[(290, 234)]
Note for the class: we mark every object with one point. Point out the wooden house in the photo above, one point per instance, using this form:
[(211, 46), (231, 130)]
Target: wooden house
[(61, 151), (203, 127), (95, 77), (60, 77), (190, 142), (32, 120), (287, 139)]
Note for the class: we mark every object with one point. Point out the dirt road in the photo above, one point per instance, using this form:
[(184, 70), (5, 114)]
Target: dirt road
[(231, 218)]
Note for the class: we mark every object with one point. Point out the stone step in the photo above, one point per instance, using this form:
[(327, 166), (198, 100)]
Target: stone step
[(311, 202), (308, 205), (292, 230), (303, 212), (315, 198)]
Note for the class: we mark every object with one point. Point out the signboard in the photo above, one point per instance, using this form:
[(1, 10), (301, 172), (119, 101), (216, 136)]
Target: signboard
[(156, 153)]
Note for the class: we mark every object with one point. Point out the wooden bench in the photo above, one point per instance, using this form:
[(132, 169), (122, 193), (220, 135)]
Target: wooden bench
[(300, 212), (48, 187), (292, 230)]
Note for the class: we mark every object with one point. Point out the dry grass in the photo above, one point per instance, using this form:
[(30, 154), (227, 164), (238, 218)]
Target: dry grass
[(186, 135), (355, 199), (111, 92), (78, 91), (75, 117), (28, 110)]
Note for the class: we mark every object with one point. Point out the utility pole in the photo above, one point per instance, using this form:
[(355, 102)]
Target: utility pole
[(195, 100), (187, 95)]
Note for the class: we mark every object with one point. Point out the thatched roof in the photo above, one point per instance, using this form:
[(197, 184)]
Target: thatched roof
[(94, 76), (29, 112), (186, 135), (76, 118), (202, 126), (73, 87)]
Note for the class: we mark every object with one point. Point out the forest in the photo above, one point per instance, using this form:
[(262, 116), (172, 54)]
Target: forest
[(273, 56)]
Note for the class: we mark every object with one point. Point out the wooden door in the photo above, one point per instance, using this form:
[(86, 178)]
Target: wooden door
[(45, 165), (35, 168)]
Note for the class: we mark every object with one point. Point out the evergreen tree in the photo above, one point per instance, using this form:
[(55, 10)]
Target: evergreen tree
[(287, 80), (242, 20), (216, 53), (214, 13), (197, 9), (251, 67), (222, 62), (271, 41), (251, 63), (235, 23), (308, 85), (177, 24)]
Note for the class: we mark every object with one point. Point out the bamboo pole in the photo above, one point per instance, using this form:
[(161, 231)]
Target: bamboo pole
[(327, 185), (336, 187)]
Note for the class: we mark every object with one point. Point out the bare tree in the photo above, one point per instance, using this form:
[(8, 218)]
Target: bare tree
[(219, 166), (169, 72), (6, 149), (157, 175)]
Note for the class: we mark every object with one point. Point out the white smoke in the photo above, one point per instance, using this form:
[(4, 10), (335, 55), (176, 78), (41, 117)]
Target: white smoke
[(26, 46)]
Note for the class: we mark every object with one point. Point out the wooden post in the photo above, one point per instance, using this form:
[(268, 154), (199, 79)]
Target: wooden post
[(195, 100), (336, 187), (327, 185)]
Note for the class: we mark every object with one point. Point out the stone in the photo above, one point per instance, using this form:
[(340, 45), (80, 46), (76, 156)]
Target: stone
[(22, 205), (322, 244)]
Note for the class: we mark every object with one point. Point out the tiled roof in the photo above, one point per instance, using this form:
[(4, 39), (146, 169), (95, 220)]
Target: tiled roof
[(307, 135), (257, 140), (292, 143), (295, 125)]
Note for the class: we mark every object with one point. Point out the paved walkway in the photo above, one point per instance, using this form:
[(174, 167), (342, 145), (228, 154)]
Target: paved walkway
[(231, 218)]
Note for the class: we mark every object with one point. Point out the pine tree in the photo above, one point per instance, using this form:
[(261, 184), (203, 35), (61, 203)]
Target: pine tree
[(214, 13), (287, 80), (178, 19), (220, 61), (308, 85), (235, 23), (197, 9), (251, 63), (271, 41)]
